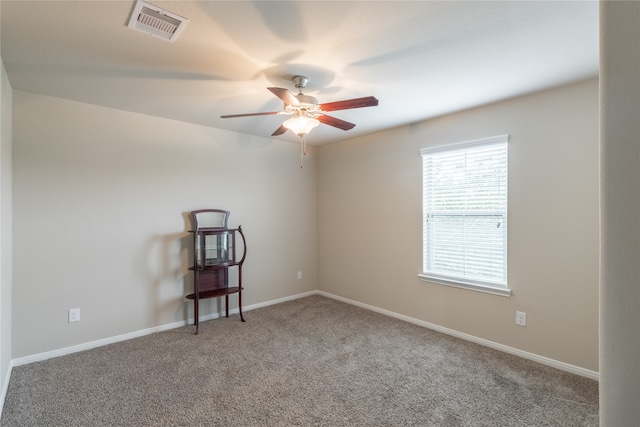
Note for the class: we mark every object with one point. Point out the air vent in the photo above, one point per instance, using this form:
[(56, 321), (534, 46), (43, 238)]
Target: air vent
[(157, 22)]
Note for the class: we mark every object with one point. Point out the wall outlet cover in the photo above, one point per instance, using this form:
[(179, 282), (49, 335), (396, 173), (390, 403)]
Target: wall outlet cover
[(521, 318), (74, 315)]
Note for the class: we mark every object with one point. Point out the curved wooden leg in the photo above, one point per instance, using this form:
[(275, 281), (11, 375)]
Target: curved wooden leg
[(226, 304), (240, 304)]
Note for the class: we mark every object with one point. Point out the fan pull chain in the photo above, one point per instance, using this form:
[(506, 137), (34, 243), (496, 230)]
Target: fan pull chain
[(303, 149)]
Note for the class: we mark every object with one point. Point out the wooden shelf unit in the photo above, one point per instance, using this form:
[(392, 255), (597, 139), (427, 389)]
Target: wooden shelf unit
[(214, 254)]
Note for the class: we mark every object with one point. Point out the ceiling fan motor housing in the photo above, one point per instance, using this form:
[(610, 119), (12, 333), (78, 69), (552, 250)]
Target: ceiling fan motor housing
[(307, 100)]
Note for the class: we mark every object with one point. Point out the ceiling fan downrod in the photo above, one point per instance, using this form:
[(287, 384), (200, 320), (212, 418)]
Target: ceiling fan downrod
[(300, 82)]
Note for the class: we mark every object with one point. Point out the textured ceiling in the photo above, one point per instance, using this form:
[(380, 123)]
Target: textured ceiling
[(420, 59)]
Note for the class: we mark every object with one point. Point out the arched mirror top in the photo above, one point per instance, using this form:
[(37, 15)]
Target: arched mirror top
[(210, 218)]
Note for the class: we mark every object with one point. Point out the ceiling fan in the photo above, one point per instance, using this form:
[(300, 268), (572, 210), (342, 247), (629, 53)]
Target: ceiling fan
[(307, 112)]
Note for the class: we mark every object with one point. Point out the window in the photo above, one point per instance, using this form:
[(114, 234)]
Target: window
[(465, 215)]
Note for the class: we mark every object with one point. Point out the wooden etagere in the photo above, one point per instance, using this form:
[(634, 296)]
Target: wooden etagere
[(214, 254)]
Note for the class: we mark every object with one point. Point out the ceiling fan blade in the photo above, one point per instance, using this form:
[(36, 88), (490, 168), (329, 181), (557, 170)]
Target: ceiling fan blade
[(270, 113), (332, 121), (367, 101), (279, 131), (287, 97)]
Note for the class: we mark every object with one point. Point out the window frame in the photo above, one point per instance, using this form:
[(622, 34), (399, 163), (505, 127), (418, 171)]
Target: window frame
[(461, 281)]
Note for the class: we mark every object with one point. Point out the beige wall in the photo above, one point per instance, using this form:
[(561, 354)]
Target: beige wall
[(5, 226), (370, 221), (620, 194), (106, 193), (101, 199)]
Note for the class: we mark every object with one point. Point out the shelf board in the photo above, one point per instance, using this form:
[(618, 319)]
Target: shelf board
[(214, 266), (214, 293)]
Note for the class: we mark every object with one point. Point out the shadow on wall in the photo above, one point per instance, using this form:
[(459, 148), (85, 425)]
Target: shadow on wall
[(163, 269)]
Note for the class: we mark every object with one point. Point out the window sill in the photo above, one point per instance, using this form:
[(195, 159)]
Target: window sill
[(465, 285)]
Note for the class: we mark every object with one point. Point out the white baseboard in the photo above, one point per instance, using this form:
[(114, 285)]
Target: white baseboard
[(99, 343), (506, 349)]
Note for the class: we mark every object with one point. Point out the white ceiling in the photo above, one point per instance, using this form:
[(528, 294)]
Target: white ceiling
[(421, 59)]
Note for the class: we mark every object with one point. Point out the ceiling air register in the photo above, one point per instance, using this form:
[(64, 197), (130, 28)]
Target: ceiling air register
[(157, 22)]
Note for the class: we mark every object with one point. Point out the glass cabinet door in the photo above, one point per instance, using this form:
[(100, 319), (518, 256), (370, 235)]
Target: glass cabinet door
[(215, 248)]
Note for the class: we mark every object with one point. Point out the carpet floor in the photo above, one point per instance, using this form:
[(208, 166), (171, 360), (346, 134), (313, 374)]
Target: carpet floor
[(309, 362)]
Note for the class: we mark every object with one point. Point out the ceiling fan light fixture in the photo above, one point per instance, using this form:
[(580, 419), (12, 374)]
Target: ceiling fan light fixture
[(307, 111), (301, 125)]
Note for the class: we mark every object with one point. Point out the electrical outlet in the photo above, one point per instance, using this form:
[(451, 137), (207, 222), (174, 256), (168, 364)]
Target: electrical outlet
[(299, 275), (74, 315), (521, 318)]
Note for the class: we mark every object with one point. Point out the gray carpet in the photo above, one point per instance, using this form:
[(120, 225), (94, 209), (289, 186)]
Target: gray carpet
[(308, 362)]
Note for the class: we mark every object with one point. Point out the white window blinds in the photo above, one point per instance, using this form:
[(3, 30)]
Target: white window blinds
[(465, 213)]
